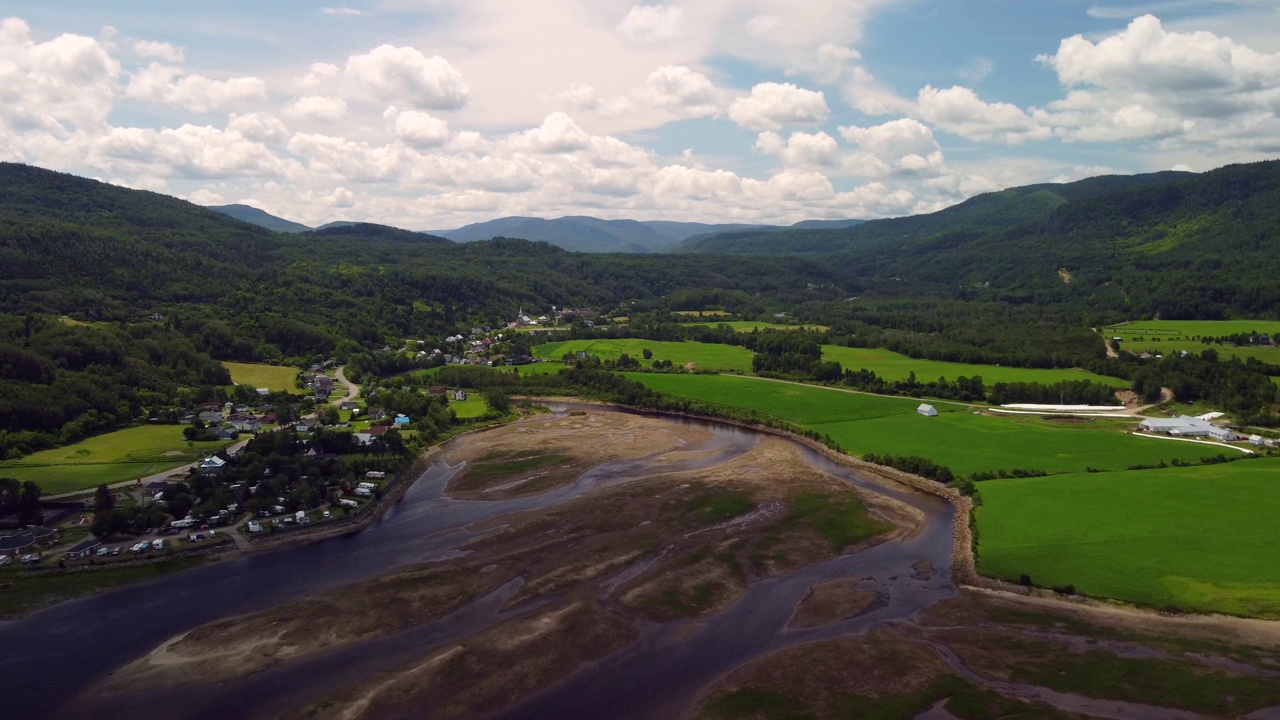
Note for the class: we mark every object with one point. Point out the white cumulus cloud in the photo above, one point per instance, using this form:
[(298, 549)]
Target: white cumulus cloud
[(171, 86), (773, 105), (651, 23), (417, 128), (159, 50), (317, 107), (405, 75)]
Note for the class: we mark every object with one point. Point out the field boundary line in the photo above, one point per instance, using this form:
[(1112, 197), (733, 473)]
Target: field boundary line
[(1246, 451)]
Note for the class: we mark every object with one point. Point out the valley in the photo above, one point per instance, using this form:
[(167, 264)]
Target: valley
[(500, 479)]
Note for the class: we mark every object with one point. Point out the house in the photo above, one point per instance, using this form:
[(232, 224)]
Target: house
[(927, 410), (211, 418), (367, 437), (1257, 440), (377, 414), (244, 423), (213, 465), (459, 395), (438, 390), (350, 405), (155, 317), (264, 392), (228, 433), (84, 549), (305, 425)]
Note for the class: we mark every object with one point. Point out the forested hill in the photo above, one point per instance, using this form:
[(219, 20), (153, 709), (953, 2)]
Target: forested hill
[(990, 212), (261, 218), (71, 246)]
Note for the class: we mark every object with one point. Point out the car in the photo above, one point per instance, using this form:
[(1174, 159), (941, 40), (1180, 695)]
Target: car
[(326, 514), (196, 537), (5, 559), (157, 544), (103, 552), (116, 551)]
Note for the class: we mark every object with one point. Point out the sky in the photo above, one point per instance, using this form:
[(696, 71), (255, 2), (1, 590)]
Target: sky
[(432, 114)]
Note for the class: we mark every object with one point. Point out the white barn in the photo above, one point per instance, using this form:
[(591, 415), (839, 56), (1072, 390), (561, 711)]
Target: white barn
[(1184, 426), (927, 410)]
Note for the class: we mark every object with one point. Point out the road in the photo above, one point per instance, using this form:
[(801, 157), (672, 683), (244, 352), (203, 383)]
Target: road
[(181, 469), (353, 390)]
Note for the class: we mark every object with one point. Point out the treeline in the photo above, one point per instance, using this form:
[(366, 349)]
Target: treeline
[(1240, 387), (61, 383)]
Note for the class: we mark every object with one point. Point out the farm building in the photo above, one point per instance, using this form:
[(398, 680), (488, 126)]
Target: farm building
[(927, 410), (84, 549), (1184, 426)]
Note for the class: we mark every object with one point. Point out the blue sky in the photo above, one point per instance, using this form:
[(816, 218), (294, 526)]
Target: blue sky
[(430, 114)]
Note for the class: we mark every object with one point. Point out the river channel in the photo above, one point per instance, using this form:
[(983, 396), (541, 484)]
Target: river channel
[(53, 661)]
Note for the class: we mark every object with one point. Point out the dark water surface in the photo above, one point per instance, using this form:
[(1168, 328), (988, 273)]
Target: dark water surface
[(52, 661)]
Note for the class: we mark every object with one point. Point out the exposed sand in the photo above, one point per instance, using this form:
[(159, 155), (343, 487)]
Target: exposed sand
[(648, 547)]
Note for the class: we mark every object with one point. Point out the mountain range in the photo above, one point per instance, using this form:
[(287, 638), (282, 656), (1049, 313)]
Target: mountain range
[(576, 233)]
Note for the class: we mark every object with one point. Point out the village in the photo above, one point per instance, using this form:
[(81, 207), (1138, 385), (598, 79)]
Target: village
[(310, 459)]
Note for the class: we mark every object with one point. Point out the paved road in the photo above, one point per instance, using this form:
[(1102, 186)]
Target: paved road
[(353, 390)]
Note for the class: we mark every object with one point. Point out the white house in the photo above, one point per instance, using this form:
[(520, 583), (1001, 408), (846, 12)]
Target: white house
[(927, 410)]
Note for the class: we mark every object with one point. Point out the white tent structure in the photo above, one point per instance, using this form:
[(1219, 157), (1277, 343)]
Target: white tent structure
[(927, 410)]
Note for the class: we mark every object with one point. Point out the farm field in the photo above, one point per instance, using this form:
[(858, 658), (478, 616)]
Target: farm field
[(1198, 538), (113, 457), (1160, 336), (957, 438), (276, 378), (708, 356), (893, 366), (751, 325)]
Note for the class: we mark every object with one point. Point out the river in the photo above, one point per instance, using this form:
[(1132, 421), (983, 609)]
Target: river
[(53, 660)]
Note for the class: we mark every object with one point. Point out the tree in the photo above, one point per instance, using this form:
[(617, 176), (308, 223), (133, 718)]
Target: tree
[(648, 354), (30, 511), (497, 399), (329, 415), (111, 522), (103, 499)]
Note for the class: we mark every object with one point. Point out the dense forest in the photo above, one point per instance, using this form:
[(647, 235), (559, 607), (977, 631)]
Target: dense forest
[(1171, 245)]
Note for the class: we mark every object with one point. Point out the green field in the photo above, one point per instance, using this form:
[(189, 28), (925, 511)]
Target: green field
[(1164, 336), (473, 406), (893, 366), (1198, 538), (113, 457), (275, 378), (957, 438), (752, 325), (708, 356)]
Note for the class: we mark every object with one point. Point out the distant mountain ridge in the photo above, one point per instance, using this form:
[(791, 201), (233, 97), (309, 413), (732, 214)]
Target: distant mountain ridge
[(580, 233), (261, 218)]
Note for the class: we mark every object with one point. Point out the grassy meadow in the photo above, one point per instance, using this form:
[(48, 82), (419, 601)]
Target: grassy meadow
[(1197, 538), (708, 356), (893, 366), (957, 438), (473, 406), (275, 378), (1163, 336), (114, 457)]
